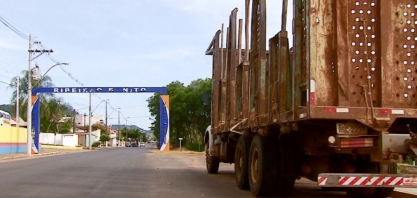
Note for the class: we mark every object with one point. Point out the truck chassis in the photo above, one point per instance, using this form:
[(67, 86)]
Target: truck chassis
[(339, 107)]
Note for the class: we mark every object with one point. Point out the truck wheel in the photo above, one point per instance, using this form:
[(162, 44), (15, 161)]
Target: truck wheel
[(262, 166), (286, 167), (241, 162), (212, 163)]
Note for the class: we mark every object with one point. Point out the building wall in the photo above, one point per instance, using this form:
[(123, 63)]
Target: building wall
[(81, 120), (83, 139), (12, 140), (59, 139)]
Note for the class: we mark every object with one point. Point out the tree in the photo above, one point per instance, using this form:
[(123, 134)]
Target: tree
[(52, 110), (99, 126), (45, 81), (66, 126), (104, 138), (132, 134), (189, 112)]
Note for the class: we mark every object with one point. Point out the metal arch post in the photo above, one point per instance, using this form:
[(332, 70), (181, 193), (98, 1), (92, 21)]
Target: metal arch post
[(164, 123), (36, 121), (164, 106)]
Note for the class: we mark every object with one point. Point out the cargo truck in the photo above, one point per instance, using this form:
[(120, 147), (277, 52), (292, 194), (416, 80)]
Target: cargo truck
[(338, 107)]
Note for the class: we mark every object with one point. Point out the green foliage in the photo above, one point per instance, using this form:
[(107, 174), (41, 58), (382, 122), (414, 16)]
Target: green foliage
[(66, 126), (189, 113), (99, 126), (104, 138), (195, 147), (95, 144), (52, 109), (133, 134)]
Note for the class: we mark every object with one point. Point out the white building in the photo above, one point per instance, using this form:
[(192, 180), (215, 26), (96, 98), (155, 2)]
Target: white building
[(83, 120)]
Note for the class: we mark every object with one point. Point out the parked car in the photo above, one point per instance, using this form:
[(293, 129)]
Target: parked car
[(128, 144), (134, 144), (141, 144)]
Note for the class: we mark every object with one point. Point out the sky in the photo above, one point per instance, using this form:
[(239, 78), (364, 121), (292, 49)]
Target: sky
[(118, 43)]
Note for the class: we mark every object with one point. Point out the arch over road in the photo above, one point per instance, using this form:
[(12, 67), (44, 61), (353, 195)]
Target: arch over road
[(163, 110)]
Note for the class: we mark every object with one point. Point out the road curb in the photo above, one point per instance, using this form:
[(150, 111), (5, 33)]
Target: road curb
[(25, 156), (61, 147)]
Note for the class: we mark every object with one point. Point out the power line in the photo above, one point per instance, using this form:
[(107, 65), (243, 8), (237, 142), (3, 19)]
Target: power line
[(6, 76), (15, 30), (7, 65), (4, 82), (24, 36)]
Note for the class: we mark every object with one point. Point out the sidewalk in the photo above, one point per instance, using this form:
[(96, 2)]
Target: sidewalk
[(44, 152)]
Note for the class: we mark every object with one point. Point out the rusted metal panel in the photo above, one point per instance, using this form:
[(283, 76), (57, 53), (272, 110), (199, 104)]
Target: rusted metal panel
[(399, 40), (351, 60), (373, 61), (364, 65), (214, 50), (258, 64), (299, 89), (273, 100), (321, 52), (231, 65)]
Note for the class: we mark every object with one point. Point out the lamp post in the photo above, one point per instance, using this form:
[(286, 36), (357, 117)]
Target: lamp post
[(118, 127), (89, 123), (106, 100), (85, 115)]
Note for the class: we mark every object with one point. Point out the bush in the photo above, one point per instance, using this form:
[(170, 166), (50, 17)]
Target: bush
[(96, 144), (104, 137), (194, 147)]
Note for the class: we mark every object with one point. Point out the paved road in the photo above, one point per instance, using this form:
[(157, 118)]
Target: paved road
[(119, 172), (124, 172)]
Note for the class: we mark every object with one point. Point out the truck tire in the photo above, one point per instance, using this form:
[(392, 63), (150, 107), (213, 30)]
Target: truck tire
[(287, 166), (262, 167), (212, 163), (241, 162)]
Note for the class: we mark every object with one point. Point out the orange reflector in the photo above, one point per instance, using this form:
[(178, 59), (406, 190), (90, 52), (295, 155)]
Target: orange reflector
[(356, 142)]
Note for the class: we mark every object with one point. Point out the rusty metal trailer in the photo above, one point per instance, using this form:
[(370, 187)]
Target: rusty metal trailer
[(338, 107)]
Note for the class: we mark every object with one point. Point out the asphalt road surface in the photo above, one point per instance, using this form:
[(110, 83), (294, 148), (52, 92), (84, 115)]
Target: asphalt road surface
[(125, 172)]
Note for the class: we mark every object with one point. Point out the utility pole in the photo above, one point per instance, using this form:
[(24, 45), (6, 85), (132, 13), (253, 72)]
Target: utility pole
[(106, 117), (126, 130), (73, 122), (17, 102), (29, 92), (120, 142), (29, 103), (89, 123)]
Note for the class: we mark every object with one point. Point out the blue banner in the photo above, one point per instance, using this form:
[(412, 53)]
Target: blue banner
[(161, 90)]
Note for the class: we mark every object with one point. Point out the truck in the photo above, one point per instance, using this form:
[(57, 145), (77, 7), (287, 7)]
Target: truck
[(338, 106)]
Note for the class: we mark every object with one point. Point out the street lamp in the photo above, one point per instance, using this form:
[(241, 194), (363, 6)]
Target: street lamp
[(29, 103), (65, 63), (118, 127), (106, 100), (99, 104)]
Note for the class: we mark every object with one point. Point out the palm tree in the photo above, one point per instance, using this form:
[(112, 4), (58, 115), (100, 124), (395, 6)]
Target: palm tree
[(45, 81)]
